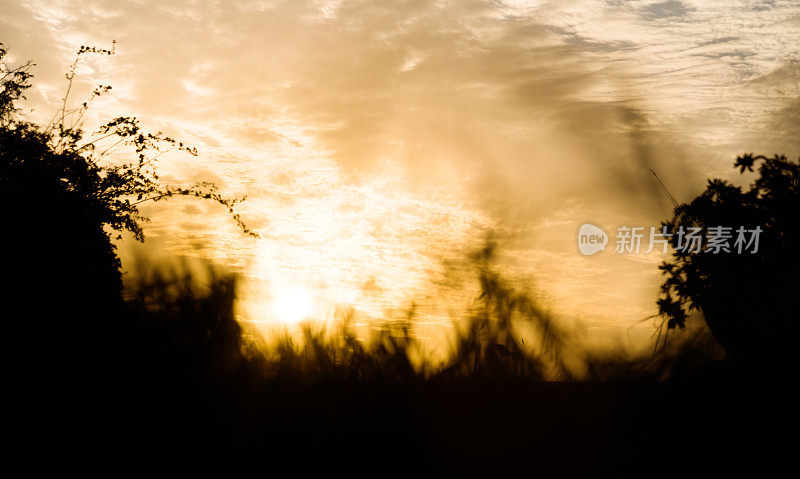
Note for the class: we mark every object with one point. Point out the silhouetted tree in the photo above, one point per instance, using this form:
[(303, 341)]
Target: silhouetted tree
[(747, 296), (59, 184), (62, 197)]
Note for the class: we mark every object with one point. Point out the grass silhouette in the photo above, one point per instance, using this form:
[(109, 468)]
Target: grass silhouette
[(169, 382), (182, 389)]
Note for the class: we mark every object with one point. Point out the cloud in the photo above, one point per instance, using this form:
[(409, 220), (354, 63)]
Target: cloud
[(671, 9), (375, 138)]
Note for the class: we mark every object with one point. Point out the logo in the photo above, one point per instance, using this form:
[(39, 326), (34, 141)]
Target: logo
[(684, 240), (591, 239)]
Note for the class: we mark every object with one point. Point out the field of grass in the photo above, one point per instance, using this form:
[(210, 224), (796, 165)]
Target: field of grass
[(166, 383)]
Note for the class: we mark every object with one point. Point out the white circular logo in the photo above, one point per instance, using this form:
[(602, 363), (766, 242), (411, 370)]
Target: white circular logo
[(591, 239)]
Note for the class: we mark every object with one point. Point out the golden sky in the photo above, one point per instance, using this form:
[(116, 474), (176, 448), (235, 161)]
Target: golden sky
[(376, 139)]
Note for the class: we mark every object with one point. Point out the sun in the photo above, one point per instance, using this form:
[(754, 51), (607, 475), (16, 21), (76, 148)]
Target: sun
[(292, 305)]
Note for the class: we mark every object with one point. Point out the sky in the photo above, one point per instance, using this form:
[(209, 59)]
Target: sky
[(379, 142)]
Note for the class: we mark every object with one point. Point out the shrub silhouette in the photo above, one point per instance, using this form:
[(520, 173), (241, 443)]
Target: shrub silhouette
[(747, 297), (64, 197), (66, 331), (52, 167)]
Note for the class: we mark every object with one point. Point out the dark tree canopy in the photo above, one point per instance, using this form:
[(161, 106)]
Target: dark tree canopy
[(62, 197), (747, 297), (82, 163), (56, 173)]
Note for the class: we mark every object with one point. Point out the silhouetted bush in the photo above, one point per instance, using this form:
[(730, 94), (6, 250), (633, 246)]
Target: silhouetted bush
[(747, 297)]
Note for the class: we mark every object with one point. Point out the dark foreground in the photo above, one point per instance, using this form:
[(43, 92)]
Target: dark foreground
[(713, 422), (163, 384)]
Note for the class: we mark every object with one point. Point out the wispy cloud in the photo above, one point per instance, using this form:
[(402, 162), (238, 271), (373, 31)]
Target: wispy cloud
[(374, 137)]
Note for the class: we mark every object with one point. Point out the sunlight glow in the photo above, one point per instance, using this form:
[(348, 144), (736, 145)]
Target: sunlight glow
[(292, 305)]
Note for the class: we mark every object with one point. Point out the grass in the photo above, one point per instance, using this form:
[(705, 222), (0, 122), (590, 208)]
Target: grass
[(173, 385)]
